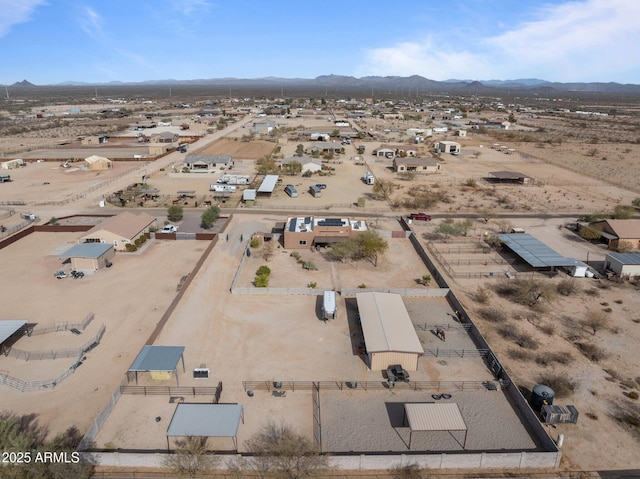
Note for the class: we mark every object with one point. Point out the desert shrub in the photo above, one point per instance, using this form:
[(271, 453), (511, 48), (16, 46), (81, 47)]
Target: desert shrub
[(567, 287), (312, 284), (175, 213), (493, 314), (548, 329), (408, 471), (520, 354), (295, 254), (130, 247), (263, 271), (140, 240), (591, 351), (209, 217), (561, 385), (595, 320), (618, 301), (522, 339), (255, 242), (591, 416), (362, 286), (629, 419), (482, 295), (633, 395), (310, 265), (551, 359), (261, 281)]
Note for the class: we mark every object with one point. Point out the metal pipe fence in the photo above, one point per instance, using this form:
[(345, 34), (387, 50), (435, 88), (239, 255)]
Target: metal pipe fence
[(373, 385)]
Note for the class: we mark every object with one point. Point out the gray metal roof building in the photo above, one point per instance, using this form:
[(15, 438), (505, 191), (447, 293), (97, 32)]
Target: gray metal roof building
[(8, 327), (158, 359), (268, 184), (206, 420), (534, 251), (86, 250)]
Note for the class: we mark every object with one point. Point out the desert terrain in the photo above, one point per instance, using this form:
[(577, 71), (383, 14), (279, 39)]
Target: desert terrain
[(578, 166)]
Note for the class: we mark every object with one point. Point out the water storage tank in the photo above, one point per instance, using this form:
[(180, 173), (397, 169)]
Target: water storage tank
[(540, 396)]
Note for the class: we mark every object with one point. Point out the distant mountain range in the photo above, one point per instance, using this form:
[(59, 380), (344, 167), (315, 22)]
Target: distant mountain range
[(414, 82)]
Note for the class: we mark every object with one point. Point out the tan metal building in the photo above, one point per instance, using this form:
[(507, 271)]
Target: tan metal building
[(120, 229), (389, 335), (95, 162), (89, 257)]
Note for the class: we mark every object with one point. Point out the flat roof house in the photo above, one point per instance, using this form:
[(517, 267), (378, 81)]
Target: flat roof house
[(416, 165), (120, 229), (305, 232)]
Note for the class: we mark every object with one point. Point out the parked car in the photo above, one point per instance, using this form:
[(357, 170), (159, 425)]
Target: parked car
[(291, 191), (169, 229), (60, 274), (420, 216), (322, 186), (397, 373)]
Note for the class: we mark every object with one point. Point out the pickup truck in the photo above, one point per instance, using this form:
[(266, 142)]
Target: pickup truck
[(420, 216)]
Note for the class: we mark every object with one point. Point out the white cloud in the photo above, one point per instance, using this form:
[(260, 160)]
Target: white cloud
[(588, 40), (187, 7), (13, 12), (91, 22)]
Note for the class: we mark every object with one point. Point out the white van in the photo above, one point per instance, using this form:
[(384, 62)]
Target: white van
[(329, 308)]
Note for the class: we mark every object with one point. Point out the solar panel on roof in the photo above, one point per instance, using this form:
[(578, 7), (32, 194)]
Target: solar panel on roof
[(307, 220), (292, 225), (330, 222)]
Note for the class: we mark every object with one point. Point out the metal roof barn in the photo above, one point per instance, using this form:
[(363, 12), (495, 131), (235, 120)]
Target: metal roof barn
[(206, 420), (389, 334)]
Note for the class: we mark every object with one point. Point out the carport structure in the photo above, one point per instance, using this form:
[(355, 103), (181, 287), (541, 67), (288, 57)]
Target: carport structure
[(158, 359), (206, 420), (9, 327), (534, 251), (434, 417)]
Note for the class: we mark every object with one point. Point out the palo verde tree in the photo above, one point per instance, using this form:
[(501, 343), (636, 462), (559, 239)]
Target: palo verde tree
[(209, 217), (371, 245)]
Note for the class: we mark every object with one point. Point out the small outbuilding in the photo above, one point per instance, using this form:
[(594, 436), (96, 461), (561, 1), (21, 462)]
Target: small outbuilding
[(509, 177), (96, 162), (249, 196), (448, 147), (389, 335), (625, 265), (89, 257)]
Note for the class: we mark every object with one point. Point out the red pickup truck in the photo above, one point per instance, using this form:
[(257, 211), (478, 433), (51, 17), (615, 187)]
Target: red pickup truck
[(420, 216)]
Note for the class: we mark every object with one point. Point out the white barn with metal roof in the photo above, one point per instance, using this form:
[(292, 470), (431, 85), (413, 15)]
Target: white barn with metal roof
[(389, 335)]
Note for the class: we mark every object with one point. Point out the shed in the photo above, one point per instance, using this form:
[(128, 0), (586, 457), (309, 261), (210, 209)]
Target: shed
[(434, 417), (249, 196), (509, 177), (389, 335), (206, 420), (623, 264), (448, 147), (89, 257), (160, 361), (95, 162)]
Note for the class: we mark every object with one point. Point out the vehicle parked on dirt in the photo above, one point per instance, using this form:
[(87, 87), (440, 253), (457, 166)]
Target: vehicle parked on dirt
[(60, 274), (420, 217), (322, 186)]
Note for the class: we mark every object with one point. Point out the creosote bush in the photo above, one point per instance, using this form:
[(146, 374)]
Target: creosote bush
[(562, 386)]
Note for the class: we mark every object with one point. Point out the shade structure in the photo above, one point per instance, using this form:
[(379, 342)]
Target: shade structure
[(9, 327), (206, 420), (534, 251), (434, 417), (158, 359)]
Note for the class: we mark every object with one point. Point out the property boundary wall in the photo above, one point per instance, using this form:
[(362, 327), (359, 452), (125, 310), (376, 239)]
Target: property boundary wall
[(492, 361)]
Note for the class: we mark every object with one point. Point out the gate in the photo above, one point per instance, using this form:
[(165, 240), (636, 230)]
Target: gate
[(317, 429)]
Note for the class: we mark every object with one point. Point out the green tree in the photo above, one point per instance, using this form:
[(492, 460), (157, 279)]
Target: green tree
[(448, 229), (266, 165), (300, 149), (590, 232), (371, 245), (292, 168), (175, 213), (486, 214), (382, 189), (281, 451), (343, 250), (209, 217)]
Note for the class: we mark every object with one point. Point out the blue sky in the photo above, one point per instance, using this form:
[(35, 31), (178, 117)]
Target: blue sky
[(53, 41)]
